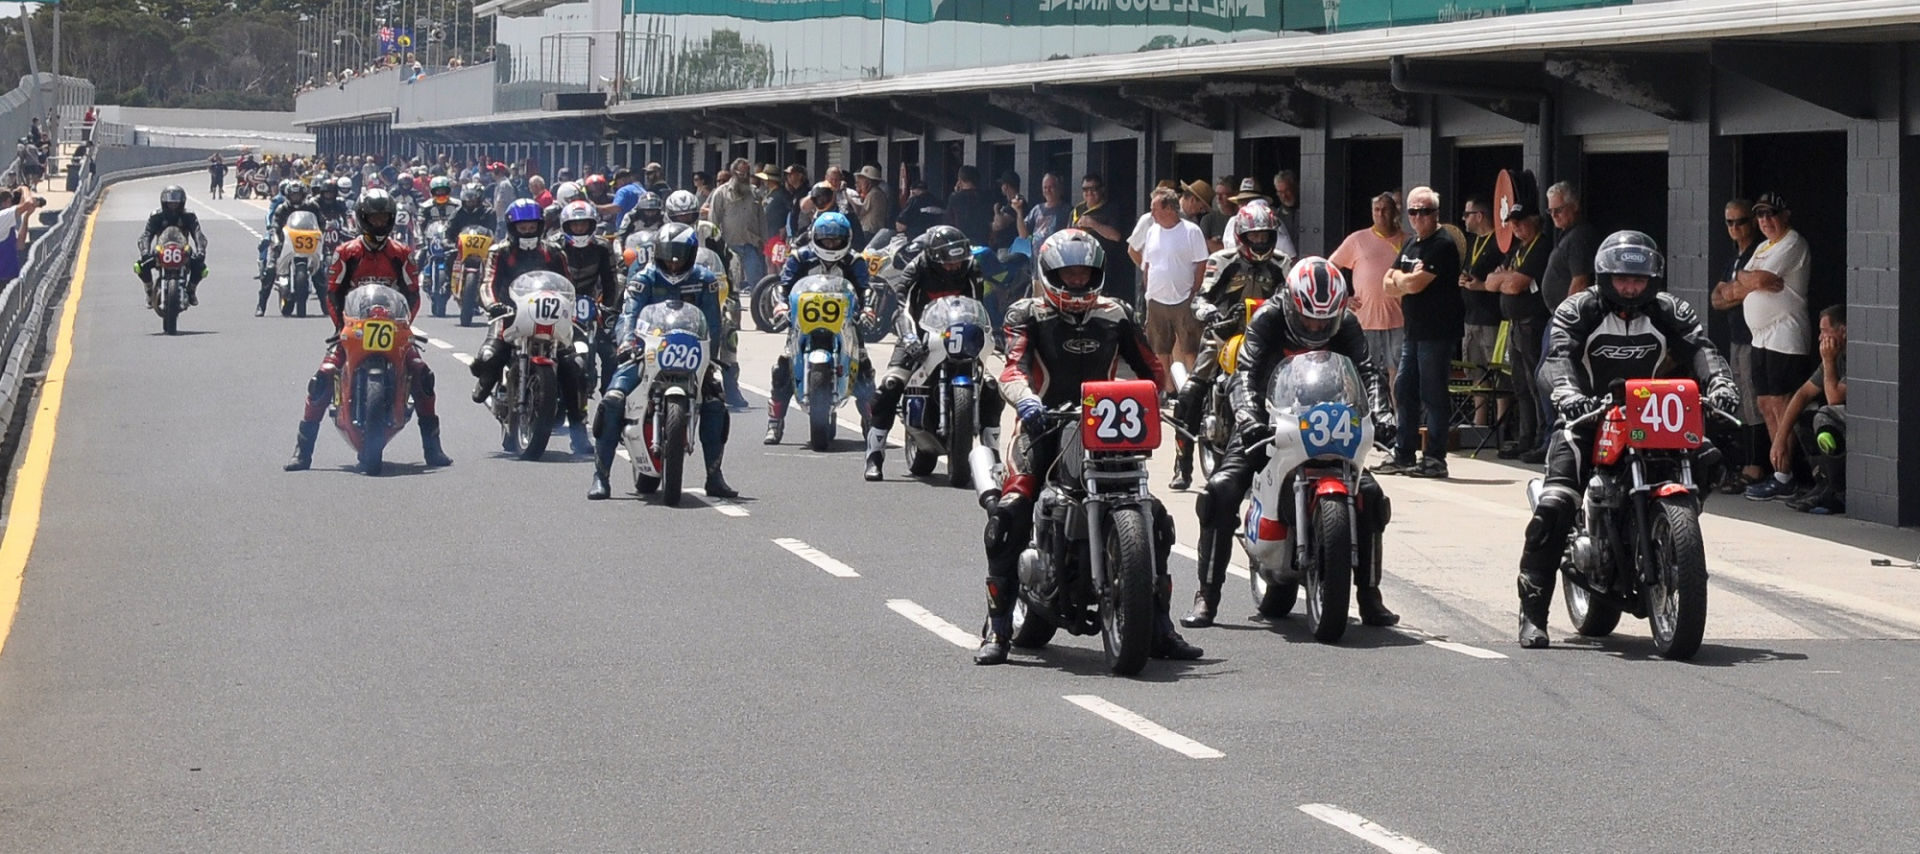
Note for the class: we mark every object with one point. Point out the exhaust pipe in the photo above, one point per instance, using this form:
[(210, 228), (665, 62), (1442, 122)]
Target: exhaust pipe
[(984, 463)]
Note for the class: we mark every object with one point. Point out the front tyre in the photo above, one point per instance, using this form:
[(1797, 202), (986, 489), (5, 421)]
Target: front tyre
[(533, 423), (1677, 603), (170, 309), (377, 401), (1329, 581), (960, 436), (820, 424), (1126, 605), (673, 449)]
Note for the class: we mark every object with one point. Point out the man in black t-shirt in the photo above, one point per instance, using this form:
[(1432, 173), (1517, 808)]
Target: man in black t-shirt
[(1426, 278), (1481, 301), (922, 211), (1746, 448), (1518, 283), (1101, 219), (967, 209), (1570, 267)]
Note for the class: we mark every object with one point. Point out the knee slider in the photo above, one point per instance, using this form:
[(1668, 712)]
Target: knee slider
[(1551, 519), (1006, 525), (894, 384)]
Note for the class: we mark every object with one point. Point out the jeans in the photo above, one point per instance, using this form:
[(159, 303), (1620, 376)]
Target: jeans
[(1524, 345), (1422, 382), (753, 268)]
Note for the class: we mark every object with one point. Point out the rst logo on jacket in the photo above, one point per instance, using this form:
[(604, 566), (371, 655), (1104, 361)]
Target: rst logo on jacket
[(1624, 352)]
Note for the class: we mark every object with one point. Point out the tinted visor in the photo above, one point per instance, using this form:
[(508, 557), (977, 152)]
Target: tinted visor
[(379, 222), (528, 228), (442, 193), (579, 227), (831, 243), (1259, 242)]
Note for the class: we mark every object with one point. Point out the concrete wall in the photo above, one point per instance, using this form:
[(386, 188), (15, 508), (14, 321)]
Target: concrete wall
[(111, 160), (258, 120), (454, 94)]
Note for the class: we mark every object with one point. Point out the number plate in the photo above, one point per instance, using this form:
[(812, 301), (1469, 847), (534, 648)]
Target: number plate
[(305, 242), (679, 351), (822, 312), (377, 336), (1663, 414), (474, 245), (874, 263), (583, 310), (1330, 429), (548, 308), (1120, 415), (171, 255)]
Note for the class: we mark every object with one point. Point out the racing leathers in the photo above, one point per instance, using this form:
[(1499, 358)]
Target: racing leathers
[(1050, 353), (189, 225), (1589, 347), (1221, 307), (924, 281), (801, 264), (438, 210), (505, 263), (464, 216), (595, 272), (699, 287), (1266, 344), (355, 264)]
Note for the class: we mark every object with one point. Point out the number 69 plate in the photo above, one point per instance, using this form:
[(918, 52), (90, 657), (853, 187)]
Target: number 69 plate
[(1120, 415)]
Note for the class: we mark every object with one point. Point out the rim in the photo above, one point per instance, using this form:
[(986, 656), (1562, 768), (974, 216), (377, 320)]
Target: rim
[(1578, 599), (1663, 596), (1019, 619), (1109, 609)]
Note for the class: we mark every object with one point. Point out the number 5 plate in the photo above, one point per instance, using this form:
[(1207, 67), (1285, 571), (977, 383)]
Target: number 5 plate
[(1120, 415)]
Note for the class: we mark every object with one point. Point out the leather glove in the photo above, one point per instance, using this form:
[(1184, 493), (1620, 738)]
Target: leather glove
[(1206, 313), (1033, 415), (1573, 406), (1253, 430), (1727, 400), (499, 309)]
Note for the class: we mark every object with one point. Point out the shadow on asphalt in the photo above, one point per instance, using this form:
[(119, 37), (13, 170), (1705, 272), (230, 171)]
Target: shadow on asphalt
[(1710, 654), (388, 469), (1357, 636), (1481, 481), (184, 333), (1083, 661)]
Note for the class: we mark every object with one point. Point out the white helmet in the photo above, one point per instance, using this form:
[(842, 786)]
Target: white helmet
[(577, 222)]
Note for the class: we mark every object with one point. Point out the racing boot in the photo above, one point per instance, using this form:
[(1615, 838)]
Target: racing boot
[(1373, 611), (260, 308), (1168, 644), (153, 297), (606, 439), (303, 447), (717, 484), (1213, 554), (996, 635), (581, 443), (876, 452), (730, 380), (486, 370), (430, 442), (1182, 466), (1536, 597), (776, 423), (193, 292)]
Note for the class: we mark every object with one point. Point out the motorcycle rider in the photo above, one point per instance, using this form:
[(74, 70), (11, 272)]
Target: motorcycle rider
[(565, 194), (1310, 313), (173, 213), (473, 211), (297, 199), (1048, 358), (648, 214), (945, 267), (440, 205), (671, 274), (327, 200), (523, 250), (684, 207), (595, 270), (370, 256), (828, 253), (1622, 328), (1253, 269)]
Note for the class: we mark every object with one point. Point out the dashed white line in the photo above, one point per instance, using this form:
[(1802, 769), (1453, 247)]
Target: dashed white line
[(726, 507), (932, 622), (1450, 646), (236, 220), (1187, 552), (1145, 728), (816, 557), (444, 345), (1375, 835), (463, 358)]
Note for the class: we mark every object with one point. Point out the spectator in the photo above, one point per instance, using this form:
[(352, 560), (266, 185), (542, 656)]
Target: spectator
[(1096, 217), (1518, 281), (1223, 202), (875, 199), (16, 207), (1172, 254), (1007, 214), (537, 188), (655, 179), (29, 165), (967, 209), (1286, 203), (1570, 266), (1426, 280), (784, 202), (702, 186), (1773, 291), (1480, 300), (1196, 204), (1050, 215), (1368, 254), (503, 195), (217, 171), (1725, 300), (922, 211), (1817, 419), (737, 214)]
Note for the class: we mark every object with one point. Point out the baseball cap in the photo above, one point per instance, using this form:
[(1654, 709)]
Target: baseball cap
[(1772, 202), (1249, 190)]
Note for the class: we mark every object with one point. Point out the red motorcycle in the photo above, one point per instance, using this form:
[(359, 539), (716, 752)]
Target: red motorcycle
[(173, 255), (372, 400)]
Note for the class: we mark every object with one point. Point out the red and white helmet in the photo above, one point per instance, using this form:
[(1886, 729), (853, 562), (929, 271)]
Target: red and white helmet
[(1072, 268), (577, 223), (1256, 230), (1316, 301)]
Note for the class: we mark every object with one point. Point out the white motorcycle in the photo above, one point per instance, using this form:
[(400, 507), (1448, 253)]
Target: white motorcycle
[(941, 402), (302, 262), (663, 413), (529, 398)]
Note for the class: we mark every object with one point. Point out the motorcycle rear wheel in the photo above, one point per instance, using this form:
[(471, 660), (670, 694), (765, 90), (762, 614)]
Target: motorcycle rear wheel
[(1677, 605), (1272, 601), (1329, 582), (1591, 615), (920, 463), (1126, 605), (960, 437), (673, 449), (1031, 629), (766, 295)]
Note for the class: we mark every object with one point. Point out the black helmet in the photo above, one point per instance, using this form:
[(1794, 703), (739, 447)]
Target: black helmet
[(173, 199), (650, 210), (1628, 253), (375, 212), (472, 195), (947, 247)]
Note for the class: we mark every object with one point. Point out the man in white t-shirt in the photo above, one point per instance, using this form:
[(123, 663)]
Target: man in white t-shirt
[(1171, 252), (1773, 285)]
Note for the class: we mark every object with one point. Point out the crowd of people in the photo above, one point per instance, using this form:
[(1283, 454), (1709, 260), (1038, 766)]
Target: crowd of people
[(408, 64)]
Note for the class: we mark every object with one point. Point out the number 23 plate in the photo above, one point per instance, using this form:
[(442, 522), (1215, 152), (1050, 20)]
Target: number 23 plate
[(1120, 415)]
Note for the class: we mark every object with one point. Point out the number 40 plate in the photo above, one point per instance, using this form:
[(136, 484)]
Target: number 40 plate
[(1120, 415)]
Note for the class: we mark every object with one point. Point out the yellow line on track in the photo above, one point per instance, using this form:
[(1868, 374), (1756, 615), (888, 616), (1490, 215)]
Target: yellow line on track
[(30, 483)]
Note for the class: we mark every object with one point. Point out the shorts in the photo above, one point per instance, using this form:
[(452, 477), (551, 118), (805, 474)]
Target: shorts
[(1778, 374), (1172, 327), (1383, 347), (1741, 357)]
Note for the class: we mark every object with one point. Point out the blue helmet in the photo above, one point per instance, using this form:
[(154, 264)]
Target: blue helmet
[(526, 222), (675, 249), (832, 236)]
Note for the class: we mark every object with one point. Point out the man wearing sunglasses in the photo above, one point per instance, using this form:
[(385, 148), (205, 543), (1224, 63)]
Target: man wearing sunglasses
[(1775, 281), (1426, 279)]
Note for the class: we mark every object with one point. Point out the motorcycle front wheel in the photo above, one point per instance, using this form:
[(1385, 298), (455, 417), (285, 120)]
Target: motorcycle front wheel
[(533, 424), (1329, 581), (170, 308), (960, 436), (820, 424), (1677, 604), (377, 401), (469, 298), (673, 449), (1126, 605)]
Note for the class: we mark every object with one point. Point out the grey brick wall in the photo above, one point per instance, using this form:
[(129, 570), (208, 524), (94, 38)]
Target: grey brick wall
[(1321, 167), (1699, 182), (1881, 457)]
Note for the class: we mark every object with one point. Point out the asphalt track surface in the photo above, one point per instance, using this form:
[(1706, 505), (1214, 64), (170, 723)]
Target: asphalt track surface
[(213, 655)]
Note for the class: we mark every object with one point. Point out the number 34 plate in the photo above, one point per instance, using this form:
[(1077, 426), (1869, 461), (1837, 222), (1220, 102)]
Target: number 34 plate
[(1120, 415)]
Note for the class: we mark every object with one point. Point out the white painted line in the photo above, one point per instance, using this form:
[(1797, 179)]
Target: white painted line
[(931, 622), (1450, 646), (463, 358), (236, 220), (444, 345), (725, 506), (1145, 728), (1187, 552), (816, 557), (853, 425), (1375, 835)]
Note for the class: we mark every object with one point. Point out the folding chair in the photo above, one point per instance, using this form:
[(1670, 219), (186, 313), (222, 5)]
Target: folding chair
[(1492, 380)]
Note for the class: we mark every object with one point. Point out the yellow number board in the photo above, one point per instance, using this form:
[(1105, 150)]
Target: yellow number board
[(377, 335), (473, 245), (822, 312), (306, 242)]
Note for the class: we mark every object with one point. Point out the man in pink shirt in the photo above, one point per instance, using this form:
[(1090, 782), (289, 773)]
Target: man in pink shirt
[(1368, 254)]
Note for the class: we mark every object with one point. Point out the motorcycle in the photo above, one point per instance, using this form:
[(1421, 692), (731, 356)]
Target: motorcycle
[(1322, 434), (942, 414), (528, 399), (1090, 567), (636, 251), (371, 394), (662, 423), (173, 253), (475, 242), (818, 346), (762, 300), (435, 260), (886, 262), (403, 221), (302, 262), (1636, 545), (1216, 414)]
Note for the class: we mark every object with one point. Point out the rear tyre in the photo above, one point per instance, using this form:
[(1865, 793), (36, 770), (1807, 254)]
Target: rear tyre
[(673, 449), (960, 436), (1590, 615), (1677, 605), (1272, 601), (1031, 629), (920, 463), (1329, 582), (533, 425), (1126, 606), (766, 296)]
